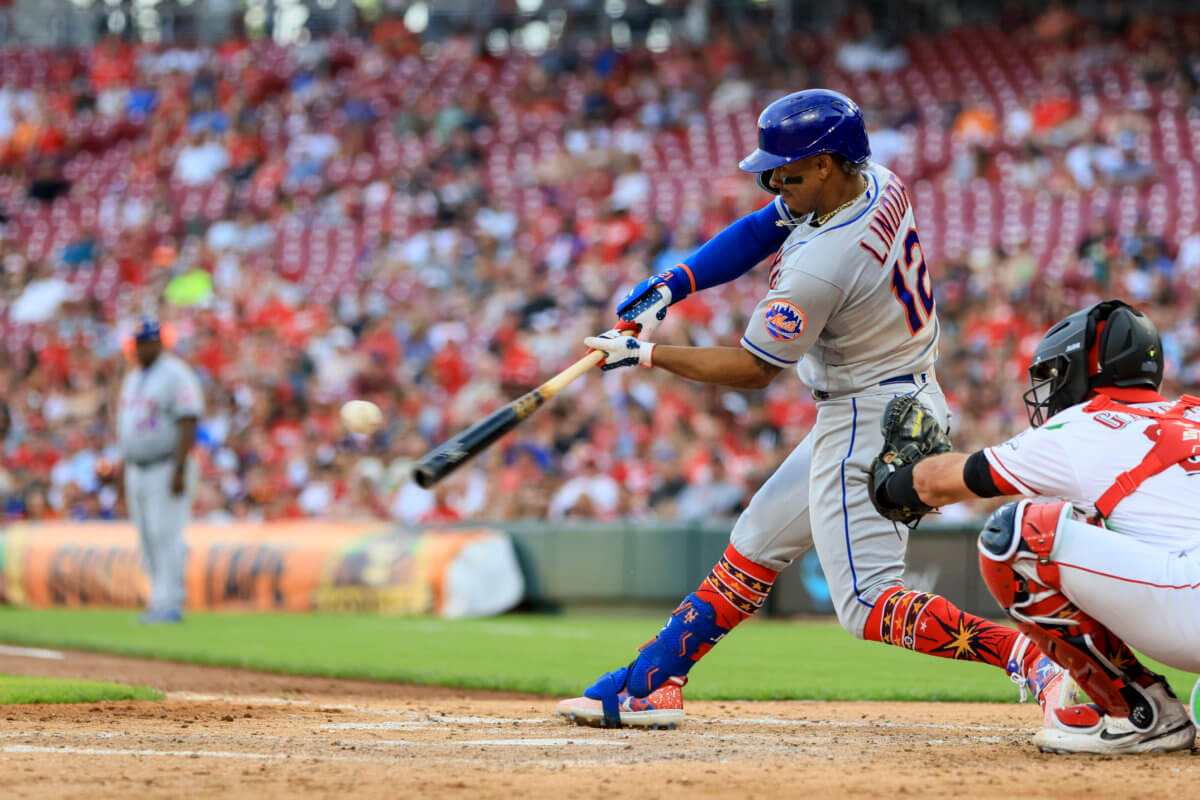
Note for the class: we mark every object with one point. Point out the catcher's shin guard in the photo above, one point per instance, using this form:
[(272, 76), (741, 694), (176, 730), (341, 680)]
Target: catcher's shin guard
[(1014, 558)]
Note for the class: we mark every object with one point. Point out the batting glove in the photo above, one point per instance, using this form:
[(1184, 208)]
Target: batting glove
[(646, 304), (621, 350)]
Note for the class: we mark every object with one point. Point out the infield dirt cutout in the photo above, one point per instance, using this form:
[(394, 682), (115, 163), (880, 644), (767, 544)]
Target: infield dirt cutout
[(239, 734)]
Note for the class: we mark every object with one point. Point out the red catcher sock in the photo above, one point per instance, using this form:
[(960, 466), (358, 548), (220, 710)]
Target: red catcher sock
[(931, 624), (736, 587)]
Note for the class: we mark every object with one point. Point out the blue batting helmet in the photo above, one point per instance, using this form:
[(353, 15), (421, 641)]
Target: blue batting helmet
[(147, 330), (804, 124)]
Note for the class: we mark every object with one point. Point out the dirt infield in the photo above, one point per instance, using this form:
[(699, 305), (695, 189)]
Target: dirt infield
[(245, 734)]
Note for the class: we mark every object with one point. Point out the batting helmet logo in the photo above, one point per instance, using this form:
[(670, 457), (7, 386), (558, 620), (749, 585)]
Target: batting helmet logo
[(784, 320)]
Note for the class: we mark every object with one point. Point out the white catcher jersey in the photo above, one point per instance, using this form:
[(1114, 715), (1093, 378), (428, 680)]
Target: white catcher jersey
[(152, 401), (1077, 455), (851, 303)]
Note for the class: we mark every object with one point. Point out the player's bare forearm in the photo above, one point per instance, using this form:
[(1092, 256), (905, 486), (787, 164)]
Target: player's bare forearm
[(724, 366), (939, 479)]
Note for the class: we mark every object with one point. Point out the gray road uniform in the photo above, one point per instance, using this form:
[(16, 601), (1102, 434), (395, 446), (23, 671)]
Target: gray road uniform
[(850, 305), (153, 400)]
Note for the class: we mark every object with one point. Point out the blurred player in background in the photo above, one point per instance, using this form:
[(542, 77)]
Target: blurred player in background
[(1125, 571), (159, 406), (849, 303)]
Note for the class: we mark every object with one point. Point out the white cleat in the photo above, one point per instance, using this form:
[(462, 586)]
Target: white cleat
[(1085, 729)]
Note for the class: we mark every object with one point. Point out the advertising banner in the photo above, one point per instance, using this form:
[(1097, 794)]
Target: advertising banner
[(287, 566)]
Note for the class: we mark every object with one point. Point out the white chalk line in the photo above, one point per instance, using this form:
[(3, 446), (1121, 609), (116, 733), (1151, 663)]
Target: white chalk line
[(429, 723), (427, 718), (378, 726), (126, 735), (545, 742), (31, 652), (816, 723), (98, 751)]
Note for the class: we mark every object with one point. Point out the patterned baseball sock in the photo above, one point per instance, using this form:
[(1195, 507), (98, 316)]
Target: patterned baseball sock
[(736, 588), (929, 623)]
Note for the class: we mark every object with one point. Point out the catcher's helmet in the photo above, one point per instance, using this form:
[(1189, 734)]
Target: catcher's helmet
[(1109, 344), (804, 124)]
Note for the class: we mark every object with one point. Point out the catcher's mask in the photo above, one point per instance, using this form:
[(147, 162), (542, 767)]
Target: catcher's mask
[(1109, 344)]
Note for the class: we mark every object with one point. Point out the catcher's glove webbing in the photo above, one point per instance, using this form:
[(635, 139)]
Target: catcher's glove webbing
[(910, 433)]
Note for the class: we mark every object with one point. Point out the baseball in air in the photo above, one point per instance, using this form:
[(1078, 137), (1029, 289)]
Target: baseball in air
[(362, 416)]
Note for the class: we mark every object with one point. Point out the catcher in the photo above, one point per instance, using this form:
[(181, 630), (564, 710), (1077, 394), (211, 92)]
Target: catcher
[(1114, 560)]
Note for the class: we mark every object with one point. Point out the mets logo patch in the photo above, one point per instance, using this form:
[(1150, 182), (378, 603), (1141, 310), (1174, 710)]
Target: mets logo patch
[(784, 320)]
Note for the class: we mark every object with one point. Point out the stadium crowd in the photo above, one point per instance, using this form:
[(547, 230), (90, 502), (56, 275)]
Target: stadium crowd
[(436, 228)]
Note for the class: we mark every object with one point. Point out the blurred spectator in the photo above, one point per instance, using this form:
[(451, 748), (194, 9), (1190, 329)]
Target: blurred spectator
[(712, 497), (589, 493), (48, 182), (41, 298), (201, 160)]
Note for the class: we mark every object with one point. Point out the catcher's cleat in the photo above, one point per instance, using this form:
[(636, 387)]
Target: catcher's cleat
[(662, 708), (1059, 692), (1087, 729)]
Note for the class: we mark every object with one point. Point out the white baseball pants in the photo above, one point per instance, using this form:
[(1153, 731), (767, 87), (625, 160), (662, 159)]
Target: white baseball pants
[(818, 496), (1148, 596), (160, 517)]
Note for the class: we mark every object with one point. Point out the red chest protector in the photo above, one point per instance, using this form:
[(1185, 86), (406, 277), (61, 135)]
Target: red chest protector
[(1178, 439)]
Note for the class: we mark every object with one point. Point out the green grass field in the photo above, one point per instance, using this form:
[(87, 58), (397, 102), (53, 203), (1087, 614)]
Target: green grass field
[(550, 655), (19, 689)]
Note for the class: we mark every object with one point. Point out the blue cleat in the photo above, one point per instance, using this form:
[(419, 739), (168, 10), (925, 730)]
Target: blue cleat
[(160, 618)]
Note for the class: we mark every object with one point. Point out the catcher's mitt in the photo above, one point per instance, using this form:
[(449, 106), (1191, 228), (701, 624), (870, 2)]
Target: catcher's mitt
[(910, 433)]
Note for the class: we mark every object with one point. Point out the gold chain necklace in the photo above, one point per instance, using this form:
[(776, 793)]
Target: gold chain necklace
[(821, 220)]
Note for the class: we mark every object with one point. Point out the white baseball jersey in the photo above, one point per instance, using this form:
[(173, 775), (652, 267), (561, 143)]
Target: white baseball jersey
[(1077, 455), (851, 302), (152, 402)]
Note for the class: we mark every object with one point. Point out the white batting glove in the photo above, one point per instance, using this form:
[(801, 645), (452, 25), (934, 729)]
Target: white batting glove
[(621, 350)]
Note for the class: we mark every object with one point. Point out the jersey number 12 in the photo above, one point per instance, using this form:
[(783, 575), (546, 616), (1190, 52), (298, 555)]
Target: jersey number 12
[(913, 255)]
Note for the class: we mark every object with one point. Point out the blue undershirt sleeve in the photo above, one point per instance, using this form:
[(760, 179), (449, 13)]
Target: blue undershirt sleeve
[(736, 250)]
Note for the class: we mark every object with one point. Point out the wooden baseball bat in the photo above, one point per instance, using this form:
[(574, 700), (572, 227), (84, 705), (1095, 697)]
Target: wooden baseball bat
[(456, 451)]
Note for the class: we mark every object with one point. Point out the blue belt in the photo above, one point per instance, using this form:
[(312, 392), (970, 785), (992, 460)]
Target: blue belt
[(910, 378), (149, 462), (902, 379)]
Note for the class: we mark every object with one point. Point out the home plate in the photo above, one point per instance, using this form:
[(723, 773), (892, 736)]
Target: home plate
[(546, 742)]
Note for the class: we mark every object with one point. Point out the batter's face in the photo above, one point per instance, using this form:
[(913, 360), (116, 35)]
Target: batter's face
[(813, 172)]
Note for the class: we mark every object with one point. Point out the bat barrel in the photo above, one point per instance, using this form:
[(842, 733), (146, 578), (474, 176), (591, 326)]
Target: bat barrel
[(460, 449), (427, 472)]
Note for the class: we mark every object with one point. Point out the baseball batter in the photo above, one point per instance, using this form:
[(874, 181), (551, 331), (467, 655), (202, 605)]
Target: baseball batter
[(849, 303), (1116, 562), (156, 425)]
